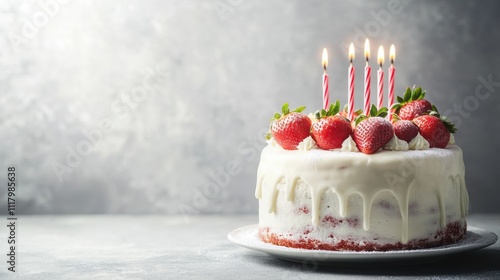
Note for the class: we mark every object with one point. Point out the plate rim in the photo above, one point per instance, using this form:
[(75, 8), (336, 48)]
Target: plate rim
[(486, 238)]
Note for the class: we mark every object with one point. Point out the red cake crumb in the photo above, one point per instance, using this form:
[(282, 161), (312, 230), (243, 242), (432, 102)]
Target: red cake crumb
[(452, 233), (353, 222), (303, 209)]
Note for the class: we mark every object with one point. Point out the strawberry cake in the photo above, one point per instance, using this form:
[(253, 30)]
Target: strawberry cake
[(371, 184)]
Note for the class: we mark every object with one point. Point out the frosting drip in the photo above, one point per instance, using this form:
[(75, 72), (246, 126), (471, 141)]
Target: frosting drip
[(365, 175)]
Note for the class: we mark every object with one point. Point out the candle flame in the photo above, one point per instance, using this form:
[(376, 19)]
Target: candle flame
[(351, 52), (392, 54), (325, 59), (380, 57), (367, 50)]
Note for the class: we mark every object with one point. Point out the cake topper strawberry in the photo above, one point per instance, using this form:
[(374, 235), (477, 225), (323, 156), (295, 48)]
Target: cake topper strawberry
[(290, 127), (412, 104), (331, 129), (435, 129), (404, 129), (372, 132)]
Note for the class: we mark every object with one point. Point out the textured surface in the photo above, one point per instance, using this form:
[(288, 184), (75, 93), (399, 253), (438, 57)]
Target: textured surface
[(163, 247), (150, 67)]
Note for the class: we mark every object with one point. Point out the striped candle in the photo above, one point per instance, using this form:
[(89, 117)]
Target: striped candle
[(368, 76), (326, 98), (392, 70), (380, 78), (326, 92), (350, 106), (380, 88)]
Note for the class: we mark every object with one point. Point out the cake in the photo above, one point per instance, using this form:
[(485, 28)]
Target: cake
[(389, 194)]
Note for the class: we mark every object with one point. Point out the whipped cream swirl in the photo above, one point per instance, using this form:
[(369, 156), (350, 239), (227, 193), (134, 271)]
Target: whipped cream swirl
[(349, 145), (452, 139), (419, 143), (307, 144), (396, 144)]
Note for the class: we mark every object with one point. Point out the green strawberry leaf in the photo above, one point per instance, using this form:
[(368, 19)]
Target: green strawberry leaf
[(400, 99), (335, 109), (382, 112), (332, 110), (317, 114), (449, 125), (373, 111), (383, 109), (395, 117), (416, 93), (396, 107), (361, 118), (407, 95), (299, 109), (285, 110)]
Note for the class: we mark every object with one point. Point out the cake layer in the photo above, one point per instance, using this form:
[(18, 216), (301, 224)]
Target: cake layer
[(391, 197)]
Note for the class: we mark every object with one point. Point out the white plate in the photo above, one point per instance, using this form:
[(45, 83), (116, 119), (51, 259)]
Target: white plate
[(476, 238)]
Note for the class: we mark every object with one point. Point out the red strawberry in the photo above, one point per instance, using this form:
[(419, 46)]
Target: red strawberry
[(405, 130), (436, 130), (412, 104), (330, 130), (290, 128), (372, 133)]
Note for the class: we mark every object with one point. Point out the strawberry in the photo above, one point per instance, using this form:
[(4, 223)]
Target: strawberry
[(412, 104), (435, 129), (372, 133), (405, 130), (330, 130), (290, 128)]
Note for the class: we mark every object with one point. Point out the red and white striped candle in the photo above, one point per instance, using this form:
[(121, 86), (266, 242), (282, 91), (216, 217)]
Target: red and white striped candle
[(380, 78), (392, 71), (350, 106), (326, 93), (368, 76)]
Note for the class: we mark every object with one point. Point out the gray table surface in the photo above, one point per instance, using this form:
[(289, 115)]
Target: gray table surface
[(175, 247)]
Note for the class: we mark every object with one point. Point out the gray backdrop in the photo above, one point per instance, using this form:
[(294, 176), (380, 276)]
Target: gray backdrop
[(160, 106)]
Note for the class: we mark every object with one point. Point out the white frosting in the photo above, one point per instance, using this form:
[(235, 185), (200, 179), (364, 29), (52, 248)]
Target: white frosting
[(349, 145), (396, 144), (396, 196), (307, 144), (419, 143), (452, 139)]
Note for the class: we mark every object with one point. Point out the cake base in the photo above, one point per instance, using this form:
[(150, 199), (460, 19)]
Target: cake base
[(452, 233)]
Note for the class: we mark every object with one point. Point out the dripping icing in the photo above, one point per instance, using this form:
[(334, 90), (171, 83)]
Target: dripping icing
[(282, 166)]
